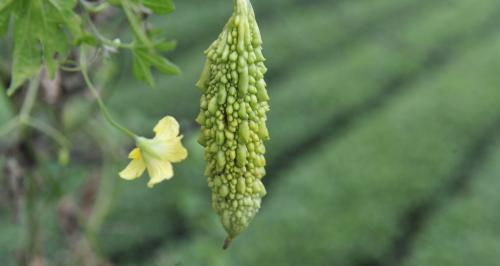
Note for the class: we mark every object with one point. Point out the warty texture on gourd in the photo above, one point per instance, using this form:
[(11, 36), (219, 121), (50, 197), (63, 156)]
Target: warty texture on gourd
[(233, 120)]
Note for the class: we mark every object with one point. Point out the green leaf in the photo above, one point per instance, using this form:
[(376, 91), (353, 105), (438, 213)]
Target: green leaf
[(146, 52), (64, 10), (5, 11), (4, 22), (159, 42), (165, 46), (5, 4), (27, 56), (165, 66), (87, 39), (114, 2), (144, 59), (40, 37), (142, 70), (160, 6)]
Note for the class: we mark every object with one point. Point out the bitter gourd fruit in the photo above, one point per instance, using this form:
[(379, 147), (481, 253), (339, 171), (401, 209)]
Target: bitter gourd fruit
[(233, 120)]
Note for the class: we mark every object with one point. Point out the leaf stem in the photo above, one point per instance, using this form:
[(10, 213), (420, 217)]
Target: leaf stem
[(134, 23), (104, 40), (26, 108), (94, 8)]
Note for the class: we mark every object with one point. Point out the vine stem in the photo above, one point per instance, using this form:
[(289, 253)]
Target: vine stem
[(24, 117), (30, 99), (49, 131), (101, 104)]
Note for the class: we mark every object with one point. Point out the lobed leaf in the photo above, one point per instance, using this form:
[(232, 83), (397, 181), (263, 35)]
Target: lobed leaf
[(144, 59), (5, 9), (160, 6), (40, 36)]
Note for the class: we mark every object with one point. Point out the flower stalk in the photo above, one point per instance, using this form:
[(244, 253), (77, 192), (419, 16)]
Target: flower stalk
[(95, 93)]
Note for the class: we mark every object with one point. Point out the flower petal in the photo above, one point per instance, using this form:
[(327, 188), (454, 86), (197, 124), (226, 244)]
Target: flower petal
[(166, 128), (158, 171), (135, 154), (170, 150), (174, 151), (134, 169)]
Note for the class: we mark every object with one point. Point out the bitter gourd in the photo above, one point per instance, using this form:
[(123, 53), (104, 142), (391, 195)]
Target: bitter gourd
[(233, 120)]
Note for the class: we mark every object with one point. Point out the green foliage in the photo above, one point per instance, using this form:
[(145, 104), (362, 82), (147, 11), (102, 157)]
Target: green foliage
[(44, 31), (156, 6), (160, 6), (64, 37), (5, 9), (38, 35), (144, 59)]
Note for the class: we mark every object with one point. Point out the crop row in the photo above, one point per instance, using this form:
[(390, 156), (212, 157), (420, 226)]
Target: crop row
[(464, 231)]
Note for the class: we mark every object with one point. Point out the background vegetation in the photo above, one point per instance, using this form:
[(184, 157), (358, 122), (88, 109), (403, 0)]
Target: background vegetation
[(385, 149)]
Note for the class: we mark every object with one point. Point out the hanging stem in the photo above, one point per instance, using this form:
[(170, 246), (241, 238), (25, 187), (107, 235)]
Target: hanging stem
[(101, 104)]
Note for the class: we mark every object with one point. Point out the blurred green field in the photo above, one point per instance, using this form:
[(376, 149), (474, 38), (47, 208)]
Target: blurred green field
[(385, 143)]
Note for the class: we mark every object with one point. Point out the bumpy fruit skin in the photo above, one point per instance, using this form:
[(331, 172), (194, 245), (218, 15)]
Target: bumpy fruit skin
[(233, 119)]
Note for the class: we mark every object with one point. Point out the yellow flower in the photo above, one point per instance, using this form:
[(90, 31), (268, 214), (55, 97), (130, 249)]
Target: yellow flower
[(156, 154)]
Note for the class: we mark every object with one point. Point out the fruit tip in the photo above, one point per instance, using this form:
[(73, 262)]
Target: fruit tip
[(227, 242)]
